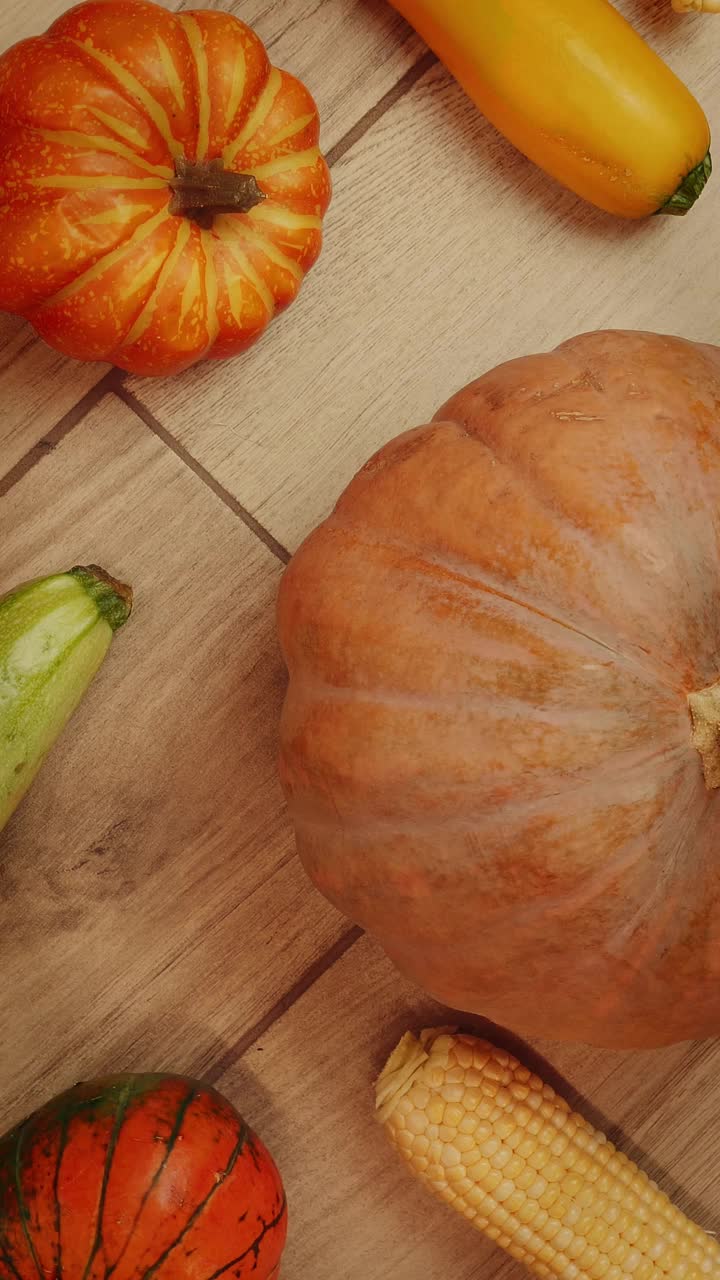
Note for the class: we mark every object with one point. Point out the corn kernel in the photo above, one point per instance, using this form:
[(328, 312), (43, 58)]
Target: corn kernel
[(454, 1075), (470, 1123), (489, 1147), (500, 1159), (572, 1215), (517, 1252), (504, 1190), (569, 1270), (479, 1170), (515, 1201), (476, 1196), (561, 1204), (514, 1167), (493, 1179), (454, 1113), (575, 1247), (463, 1143), (436, 1111), (504, 1128), (496, 1071), (463, 1051), (548, 1198), (645, 1270), (473, 1077), (525, 1148), (420, 1096), (527, 1213)]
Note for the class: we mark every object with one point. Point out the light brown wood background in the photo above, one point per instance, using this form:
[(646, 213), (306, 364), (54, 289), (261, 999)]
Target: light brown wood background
[(152, 913)]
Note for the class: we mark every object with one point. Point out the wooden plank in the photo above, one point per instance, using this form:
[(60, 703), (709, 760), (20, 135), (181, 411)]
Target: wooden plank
[(37, 387), (446, 253), (18, 20), (355, 1212), (371, 48), (151, 907)]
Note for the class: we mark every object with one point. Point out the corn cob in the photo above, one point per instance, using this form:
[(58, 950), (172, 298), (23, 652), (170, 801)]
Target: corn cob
[(499, 1145)]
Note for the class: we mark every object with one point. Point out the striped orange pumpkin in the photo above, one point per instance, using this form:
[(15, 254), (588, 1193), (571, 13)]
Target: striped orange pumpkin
[(161, 185), (133, 1176)]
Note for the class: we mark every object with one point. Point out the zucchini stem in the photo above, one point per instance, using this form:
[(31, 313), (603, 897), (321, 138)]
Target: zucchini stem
[(113, 599)]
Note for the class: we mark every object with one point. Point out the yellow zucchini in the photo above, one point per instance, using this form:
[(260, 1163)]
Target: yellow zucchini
[(578, 91)]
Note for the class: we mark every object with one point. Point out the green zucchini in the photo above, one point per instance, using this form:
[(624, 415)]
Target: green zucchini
[(54, 635)]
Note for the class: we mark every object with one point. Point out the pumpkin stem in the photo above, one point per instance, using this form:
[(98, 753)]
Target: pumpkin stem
[(705, 714), (200, 191)]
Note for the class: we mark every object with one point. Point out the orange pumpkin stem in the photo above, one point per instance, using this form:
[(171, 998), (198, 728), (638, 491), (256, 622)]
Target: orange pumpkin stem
[(201, 191), (705, 713)]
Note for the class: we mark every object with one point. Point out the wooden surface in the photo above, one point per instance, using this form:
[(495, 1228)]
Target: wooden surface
[(152, 913)]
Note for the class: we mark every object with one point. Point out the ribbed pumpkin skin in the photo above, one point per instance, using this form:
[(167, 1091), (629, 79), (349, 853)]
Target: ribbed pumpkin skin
[(486, 742), (138, 1176), (98, 116)]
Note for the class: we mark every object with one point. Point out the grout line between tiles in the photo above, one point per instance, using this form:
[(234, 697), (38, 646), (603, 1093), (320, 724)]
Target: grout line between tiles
[(168, 439), (61, 429), (376, 112), (308, 979)]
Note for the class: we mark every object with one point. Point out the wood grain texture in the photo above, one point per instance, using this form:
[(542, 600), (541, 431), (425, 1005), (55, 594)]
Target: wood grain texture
[(37, 386), (446, 253), (308, 1088), (18, 20), (151, 908), (371, 50)]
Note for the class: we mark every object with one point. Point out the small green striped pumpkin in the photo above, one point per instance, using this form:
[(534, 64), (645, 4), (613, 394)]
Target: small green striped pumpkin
[(139, 1177)]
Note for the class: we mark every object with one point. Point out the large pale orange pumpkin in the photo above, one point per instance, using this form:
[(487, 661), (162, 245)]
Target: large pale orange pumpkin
[(500, 741), (161, 187)]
